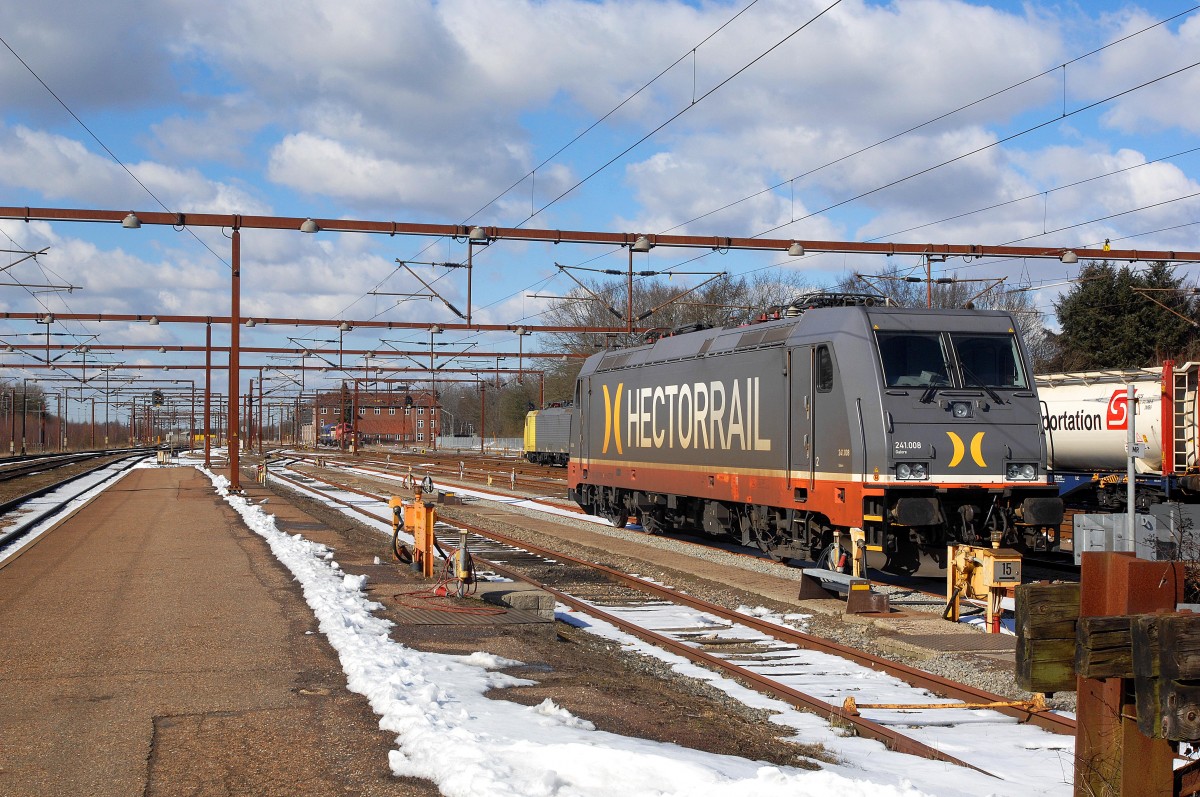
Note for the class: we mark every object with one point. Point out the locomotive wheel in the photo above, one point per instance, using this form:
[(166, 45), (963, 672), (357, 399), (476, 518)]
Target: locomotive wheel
[(619, 518), (652, 522), (615, 514)]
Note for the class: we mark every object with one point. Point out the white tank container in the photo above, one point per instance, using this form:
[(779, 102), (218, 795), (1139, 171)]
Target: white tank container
[(1086, 422)]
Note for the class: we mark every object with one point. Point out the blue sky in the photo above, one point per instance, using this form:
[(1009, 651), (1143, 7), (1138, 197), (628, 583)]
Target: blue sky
[(427, 112)]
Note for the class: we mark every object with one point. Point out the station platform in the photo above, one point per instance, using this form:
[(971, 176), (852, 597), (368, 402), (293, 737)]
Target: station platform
[(151, 644)]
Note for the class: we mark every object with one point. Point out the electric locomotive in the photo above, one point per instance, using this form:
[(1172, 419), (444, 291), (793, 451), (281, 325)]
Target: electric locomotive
[(921, 428), (547, 438)]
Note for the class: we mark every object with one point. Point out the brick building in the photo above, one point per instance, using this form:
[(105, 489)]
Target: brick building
[(399, 417)]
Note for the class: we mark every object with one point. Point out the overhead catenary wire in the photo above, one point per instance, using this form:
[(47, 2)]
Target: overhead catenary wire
[(691, 51), (683, 110), (924, 124), (934, 120), (964, 155)]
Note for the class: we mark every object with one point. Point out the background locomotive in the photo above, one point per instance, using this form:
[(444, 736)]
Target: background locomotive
[(548, 436), (921, 427)]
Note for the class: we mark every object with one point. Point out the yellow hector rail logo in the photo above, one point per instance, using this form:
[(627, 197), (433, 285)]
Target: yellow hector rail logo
[(612, 421), (960, 449)]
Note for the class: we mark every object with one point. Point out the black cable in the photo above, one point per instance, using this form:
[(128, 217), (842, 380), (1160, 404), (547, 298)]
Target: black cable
[(680, 113), (945, 115)]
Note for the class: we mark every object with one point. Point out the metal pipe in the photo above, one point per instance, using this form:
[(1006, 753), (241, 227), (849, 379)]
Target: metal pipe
[(207, 395)]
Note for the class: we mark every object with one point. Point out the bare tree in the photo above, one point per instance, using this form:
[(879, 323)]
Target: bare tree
[(659, 305), (900, 288)]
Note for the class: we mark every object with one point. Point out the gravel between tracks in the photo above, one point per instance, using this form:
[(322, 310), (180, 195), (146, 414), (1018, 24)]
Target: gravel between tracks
[(995, 674)]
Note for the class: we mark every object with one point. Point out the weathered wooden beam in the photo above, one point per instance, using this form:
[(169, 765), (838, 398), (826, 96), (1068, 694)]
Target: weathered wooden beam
[(1146, 684), (1166, 660), (1103, 647), (1045, 618)]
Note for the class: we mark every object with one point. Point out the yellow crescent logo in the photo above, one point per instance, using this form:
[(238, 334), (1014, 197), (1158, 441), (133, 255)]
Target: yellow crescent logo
[(977, 449), (960, 449), (955, 440), (612, 420)]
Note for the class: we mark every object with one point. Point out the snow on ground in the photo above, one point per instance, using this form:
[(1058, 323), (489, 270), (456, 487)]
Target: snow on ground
[(448, 732), (514, 500)]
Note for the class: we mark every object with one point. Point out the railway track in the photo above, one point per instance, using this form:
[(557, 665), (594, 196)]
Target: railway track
[(901, 589), (23, 510), (466, 467), (783, 662)]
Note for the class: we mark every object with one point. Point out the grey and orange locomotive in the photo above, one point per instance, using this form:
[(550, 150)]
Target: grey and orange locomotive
[(921, 428)]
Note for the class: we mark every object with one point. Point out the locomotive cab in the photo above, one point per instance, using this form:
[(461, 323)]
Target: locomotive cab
[(958, 462)]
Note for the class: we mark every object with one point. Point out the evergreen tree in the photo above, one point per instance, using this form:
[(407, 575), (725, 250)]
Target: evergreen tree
[(1120, 318)]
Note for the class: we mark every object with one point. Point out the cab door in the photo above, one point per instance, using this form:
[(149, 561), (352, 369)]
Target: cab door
[(801, 430), (583, 408), (830, 433)]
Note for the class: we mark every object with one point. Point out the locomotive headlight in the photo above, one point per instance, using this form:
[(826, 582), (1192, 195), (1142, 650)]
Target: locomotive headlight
[(960, 409), (1021, 471), (912, 471)]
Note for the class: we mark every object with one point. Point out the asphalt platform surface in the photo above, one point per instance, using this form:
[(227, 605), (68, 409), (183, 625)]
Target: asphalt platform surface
[(151, 644)]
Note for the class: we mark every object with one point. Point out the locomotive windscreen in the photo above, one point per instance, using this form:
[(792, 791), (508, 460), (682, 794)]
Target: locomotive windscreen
[(989, 360), (913, 359), (922, 359)]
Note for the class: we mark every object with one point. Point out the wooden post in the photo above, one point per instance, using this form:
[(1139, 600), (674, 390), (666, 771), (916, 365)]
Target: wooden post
[(1112, 756)]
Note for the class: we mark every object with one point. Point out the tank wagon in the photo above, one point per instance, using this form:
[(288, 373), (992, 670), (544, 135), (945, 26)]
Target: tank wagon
[(919, 427), (1086, 417), (548, 436)]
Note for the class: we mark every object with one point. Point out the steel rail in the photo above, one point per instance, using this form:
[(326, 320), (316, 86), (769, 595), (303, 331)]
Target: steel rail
[(527, 473), (43, 464), (1049, 721), (892, 739), (572, 509), (30, 521)]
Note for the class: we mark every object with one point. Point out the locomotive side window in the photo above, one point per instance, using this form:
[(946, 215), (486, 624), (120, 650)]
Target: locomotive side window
[(913, 359), (824, 370), (989, 361)]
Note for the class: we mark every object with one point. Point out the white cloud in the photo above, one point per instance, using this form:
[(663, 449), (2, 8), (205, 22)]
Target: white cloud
[(60, 168), (317, 165), (1156, 53)]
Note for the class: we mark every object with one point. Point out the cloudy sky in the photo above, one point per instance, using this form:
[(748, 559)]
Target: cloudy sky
[(783, 118)]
